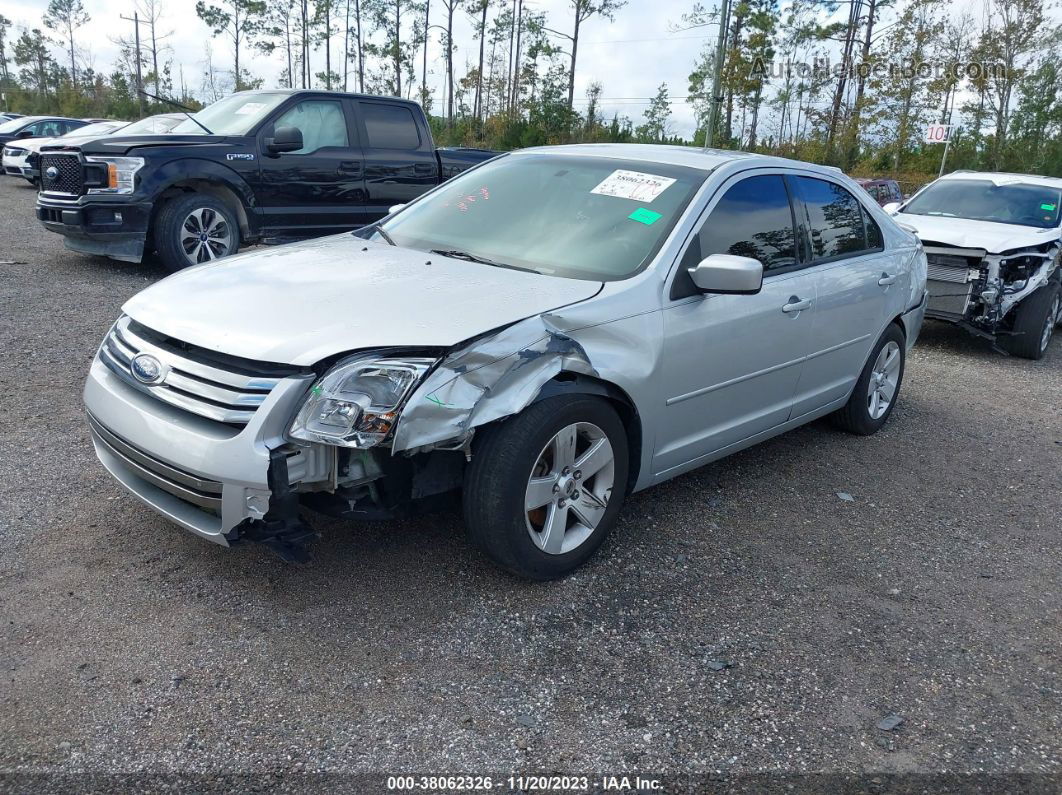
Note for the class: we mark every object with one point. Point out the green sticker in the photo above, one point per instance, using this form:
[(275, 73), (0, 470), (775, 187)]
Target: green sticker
[(644, 216), (1047, 206)]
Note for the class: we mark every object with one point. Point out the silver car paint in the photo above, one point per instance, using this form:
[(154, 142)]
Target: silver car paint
[(628, 334)]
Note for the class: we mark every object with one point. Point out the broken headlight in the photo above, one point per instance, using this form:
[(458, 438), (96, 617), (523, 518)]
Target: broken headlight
[(356, 403)]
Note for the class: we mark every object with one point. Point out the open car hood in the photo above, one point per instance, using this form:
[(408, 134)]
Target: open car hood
[(304, 302)]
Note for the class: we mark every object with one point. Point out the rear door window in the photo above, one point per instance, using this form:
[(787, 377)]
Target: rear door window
[(834, 219), (389, 126)]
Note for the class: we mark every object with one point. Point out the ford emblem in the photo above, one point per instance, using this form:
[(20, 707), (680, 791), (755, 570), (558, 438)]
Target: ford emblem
[(147, 369), (52, 172)]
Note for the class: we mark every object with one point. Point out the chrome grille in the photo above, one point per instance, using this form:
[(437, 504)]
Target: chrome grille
[(189, 383), (68, 180)]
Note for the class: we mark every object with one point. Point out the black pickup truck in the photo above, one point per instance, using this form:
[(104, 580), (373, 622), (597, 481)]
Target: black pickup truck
[(256, 166)]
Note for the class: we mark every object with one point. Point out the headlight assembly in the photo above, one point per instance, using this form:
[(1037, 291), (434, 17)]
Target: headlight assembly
[(121, 173), (355, 404)]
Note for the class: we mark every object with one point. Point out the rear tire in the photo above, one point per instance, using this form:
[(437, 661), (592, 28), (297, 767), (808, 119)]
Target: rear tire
[(878, 388), (1034, 323), (193, 229), (538, 458)]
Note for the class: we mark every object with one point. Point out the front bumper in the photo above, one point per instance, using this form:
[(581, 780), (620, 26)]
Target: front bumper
[(93, 225), (16, 166), (206, 476)]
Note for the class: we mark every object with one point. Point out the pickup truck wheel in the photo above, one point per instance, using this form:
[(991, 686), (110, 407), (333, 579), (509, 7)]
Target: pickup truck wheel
[(878, 387), (545, 487), (194, 229), (1034, 323)]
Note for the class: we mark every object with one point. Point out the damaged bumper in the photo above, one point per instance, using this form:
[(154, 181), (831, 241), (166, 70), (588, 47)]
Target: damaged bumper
[(210, 478)]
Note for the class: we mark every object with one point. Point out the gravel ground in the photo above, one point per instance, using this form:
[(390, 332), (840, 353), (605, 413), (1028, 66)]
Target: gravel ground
[(743, 618)]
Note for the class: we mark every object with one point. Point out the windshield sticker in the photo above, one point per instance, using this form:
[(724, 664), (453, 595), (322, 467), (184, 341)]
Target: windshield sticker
[(633, 185), (1047, 207), (249, 108), (644, 216)]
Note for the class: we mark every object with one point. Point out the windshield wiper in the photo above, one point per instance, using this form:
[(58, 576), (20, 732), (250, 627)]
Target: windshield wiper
[(174, 103), (468, 257), (380, 231)]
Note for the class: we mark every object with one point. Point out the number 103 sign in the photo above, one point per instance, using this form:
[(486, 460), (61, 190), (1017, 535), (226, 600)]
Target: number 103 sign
[(938, 133)]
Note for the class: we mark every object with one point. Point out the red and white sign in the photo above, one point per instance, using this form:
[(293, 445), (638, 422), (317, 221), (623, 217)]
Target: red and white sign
[(938, 133)]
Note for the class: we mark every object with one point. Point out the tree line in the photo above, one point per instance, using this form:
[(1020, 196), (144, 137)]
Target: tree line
[(893, 67)]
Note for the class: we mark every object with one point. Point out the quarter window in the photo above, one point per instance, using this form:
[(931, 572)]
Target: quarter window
[(321, 122), (753, 219), (834, 219), (389, 126)]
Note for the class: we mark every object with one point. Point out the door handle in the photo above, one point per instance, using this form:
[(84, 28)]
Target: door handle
[(795, 304), (886, 279), (350, 167), (424, 169)]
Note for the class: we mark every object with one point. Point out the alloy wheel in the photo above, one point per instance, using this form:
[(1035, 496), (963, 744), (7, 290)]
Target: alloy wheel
[(569, 488), (1049, 324), (884, 378), (205, 235)]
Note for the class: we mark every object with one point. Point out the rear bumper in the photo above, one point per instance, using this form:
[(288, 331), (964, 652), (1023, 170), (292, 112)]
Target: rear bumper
[(111, 229), (912, 320), (206, 476)]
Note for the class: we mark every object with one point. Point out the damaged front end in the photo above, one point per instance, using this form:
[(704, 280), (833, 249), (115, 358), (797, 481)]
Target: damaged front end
[(978, 290), (420, 435)]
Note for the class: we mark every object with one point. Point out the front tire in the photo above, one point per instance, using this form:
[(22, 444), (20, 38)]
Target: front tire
[(545, 487), (878, 388), (194, 229), (1034, 322)]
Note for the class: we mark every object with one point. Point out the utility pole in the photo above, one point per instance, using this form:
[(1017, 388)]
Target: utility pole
[(135, 19), (717, 77)]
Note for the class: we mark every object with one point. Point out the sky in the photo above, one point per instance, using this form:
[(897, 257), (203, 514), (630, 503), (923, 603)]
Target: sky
[(630, 57)]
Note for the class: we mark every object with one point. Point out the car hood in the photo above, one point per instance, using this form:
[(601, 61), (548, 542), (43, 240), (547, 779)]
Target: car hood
[(965, 233), (304, 302), (35, 144)]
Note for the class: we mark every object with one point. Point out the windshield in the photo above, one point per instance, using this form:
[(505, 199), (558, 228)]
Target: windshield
[(580, 217), (234, 115), (155, 125), (99, 128), (14, 125), (979, 200)]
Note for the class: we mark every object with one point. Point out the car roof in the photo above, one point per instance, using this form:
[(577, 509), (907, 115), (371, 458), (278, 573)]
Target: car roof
[(323, 92), (688, 156), (1005, 178)]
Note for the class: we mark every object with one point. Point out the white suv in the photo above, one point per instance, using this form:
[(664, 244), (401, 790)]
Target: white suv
[(993, 245)]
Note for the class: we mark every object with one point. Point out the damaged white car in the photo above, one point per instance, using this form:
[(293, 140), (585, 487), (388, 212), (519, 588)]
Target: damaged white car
[(546, 333), (993, 244)]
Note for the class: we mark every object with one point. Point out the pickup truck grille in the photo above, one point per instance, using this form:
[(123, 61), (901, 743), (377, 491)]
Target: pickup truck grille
[(68, 177), (226, 394)]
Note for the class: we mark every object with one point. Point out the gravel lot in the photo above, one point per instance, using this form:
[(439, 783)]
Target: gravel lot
[(934, 594)]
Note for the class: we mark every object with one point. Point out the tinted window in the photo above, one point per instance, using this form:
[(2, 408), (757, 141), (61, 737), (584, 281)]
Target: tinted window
[(834, 218), (321, 122), (874, 238), (752, 219), (390, 126)]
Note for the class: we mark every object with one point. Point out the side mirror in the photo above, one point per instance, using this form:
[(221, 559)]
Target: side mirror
[(25, 134), (285, 139), (891, 208), (728, 274), (394, 208)]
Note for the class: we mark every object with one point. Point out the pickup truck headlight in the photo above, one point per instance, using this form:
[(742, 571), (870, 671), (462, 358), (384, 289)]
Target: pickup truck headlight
[(356, 403), (121, 173)]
